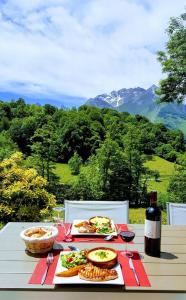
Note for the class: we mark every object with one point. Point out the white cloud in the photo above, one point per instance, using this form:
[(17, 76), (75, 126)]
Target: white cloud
[(82, 48)]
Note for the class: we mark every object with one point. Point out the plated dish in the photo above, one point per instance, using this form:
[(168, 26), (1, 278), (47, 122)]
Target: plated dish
[(94, 226), (76, 267)]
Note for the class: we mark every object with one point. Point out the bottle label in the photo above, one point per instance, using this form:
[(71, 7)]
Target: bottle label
[(152, 229)]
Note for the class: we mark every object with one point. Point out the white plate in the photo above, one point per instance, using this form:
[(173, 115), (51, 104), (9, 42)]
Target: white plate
[(74, 230), (77, 280)]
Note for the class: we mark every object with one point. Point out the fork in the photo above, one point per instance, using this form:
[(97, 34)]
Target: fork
[(49, 261)]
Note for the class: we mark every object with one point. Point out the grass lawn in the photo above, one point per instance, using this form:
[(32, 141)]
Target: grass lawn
[(64, 173), (165, 168), (137, 216)]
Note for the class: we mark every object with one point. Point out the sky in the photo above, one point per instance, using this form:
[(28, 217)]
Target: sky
[(73, 49)]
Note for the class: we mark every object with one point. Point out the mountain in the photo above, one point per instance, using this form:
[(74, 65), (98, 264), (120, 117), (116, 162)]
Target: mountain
[(143, 101), (99, 101)]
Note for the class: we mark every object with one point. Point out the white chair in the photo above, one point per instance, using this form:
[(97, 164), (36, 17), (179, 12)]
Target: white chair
[(80, 210), (176, 213)]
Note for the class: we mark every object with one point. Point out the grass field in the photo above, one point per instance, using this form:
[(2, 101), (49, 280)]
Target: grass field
[(137, 216), (165, 168), (64, 173)]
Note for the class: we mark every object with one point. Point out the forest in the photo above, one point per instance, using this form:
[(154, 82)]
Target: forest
[(111, 146)]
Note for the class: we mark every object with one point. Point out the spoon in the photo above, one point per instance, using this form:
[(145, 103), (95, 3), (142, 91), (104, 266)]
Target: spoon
[(108, 237), (73, 248)]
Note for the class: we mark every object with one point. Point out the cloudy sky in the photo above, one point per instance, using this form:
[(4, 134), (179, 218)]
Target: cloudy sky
[(81, 48)]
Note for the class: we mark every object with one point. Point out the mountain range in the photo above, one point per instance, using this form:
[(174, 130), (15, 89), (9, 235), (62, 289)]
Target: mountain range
[(133, 100), (144, 102)]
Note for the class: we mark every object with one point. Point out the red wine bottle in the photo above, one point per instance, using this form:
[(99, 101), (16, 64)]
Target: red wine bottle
[(153, 227)]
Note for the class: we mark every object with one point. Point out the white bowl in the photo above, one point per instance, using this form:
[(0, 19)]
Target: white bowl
[(42, 244)]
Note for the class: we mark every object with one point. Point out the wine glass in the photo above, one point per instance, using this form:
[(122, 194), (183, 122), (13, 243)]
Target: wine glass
[(59, 221), (58, 218), (127, 236)]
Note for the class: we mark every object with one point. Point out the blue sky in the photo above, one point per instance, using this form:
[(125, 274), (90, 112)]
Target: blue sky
[(81, 48)]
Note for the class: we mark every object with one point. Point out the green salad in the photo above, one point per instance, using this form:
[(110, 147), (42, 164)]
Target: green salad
[(104, 229), (73, 259)]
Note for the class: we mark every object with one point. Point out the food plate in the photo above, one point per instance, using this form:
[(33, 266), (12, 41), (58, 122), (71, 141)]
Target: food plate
[(77, 280), (74, 230)]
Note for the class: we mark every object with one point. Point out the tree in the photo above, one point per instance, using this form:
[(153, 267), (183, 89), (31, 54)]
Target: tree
[(7, 146), (44, 149), (177, 185), (173, 61), (21, 132), (22, 192), (135, 159), (74, 163)]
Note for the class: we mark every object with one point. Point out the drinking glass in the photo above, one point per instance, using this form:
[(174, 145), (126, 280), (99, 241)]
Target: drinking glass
[(127, 236), (67, 234), (59, 221), (58, 218)]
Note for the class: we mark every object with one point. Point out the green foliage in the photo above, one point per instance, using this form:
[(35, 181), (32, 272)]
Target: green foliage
[(7, 146), (74, 163), (23, 193), (173, 87), (177, 186), (88, 184), (44, 149), (113, 147), (113, 174), (166, 151)]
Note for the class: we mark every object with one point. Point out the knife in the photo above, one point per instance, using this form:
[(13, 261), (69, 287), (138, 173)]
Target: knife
[(131, 265)]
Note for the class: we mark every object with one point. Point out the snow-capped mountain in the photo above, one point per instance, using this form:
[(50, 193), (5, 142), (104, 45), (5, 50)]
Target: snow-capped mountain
[(143, 101), (124, 96)]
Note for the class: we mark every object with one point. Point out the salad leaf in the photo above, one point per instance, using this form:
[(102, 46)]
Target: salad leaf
[(73, 259)]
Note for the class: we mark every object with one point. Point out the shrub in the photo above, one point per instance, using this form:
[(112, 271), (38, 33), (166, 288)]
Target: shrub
[(22, 192)]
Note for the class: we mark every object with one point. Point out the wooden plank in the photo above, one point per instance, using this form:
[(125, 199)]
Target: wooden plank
[(160, 269), (164, 284), (166, 258), (16, 256), (169, 258), (19, 281), (84, 295), (159, 284), (16, 267)]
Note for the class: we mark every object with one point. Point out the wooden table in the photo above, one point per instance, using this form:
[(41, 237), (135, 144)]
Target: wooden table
[(167, 274)]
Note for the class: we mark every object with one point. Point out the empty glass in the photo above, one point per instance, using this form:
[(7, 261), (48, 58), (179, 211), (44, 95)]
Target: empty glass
[(59, 215)]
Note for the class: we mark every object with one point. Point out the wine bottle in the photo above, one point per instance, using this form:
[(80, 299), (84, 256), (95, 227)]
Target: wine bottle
[(153, 227)]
